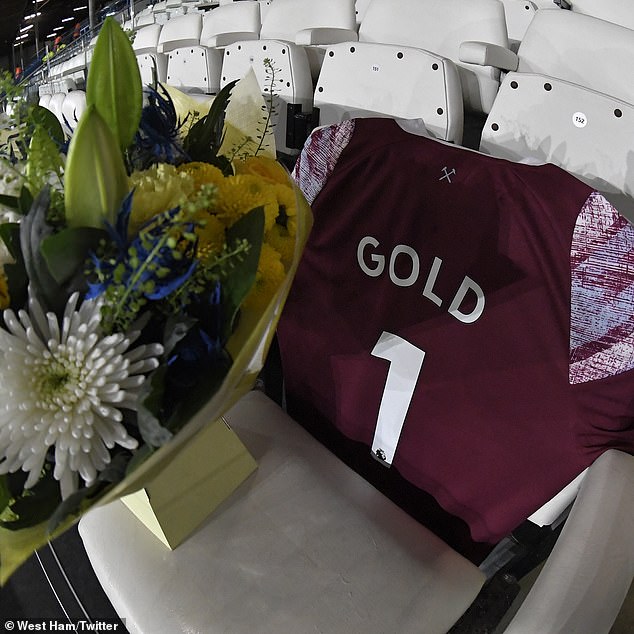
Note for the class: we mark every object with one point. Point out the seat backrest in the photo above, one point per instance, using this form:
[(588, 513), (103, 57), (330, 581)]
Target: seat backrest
[(195, 69), (143, 19), (55, 106), (365, 79), (550, 120), (617, 11), (519, 14), (73, 107), (360, 7), (440, 27), (580, 49), (45, 99), (146, 39), (285, 18), (241, 17), (180, 32), (293, 83)]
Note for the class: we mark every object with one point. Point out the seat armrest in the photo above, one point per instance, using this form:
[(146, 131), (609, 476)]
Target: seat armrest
[(325, 36), (589, 572), (220, 40), (485, 54)]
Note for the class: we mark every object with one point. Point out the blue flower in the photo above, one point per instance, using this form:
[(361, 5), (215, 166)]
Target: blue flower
[(157, 138), (151, 266)]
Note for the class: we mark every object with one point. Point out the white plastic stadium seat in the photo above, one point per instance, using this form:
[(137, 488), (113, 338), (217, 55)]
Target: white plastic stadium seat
[(55, 106), (553, 121), (441, 27), (364, 79), (73, 107), (361, 6), (519, 14), (159, 10), (45, 99), (145, 47), (293, 84), (571, 46), (45, 89), (190, 66), (617, 11), (144, 18), (290, 32), (232, 22), (304, 545), (313, 25)]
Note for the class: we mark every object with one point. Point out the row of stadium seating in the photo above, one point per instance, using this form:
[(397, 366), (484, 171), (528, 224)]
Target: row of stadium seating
[(560, 97)]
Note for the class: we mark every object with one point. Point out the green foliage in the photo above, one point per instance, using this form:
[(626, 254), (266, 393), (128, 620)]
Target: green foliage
[(96, 180), (5, 496), (235, 267), (43, 160), (32, 506), (205, 137), (66, 252), (132, 280), (238, 279), (270, 109), (114, 83), (33, 230)]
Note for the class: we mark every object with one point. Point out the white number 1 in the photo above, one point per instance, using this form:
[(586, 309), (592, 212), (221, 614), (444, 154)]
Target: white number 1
[(406, 361)]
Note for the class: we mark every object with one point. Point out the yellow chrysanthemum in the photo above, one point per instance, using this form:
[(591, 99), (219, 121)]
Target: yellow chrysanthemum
[(267, 168), (268, 278), (202, 173), (287, 201), (239, 194), (211, 236), (279, 238), (156, 190), (5, 300)]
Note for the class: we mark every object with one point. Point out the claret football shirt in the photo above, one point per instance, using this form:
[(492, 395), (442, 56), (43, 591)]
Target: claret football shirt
[(469, 319)]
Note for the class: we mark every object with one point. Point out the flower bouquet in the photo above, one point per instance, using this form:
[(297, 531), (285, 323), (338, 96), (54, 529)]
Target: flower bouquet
[(145, 266)]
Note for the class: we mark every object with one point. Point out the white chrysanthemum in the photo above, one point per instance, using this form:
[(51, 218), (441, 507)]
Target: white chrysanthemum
[(65, 386)]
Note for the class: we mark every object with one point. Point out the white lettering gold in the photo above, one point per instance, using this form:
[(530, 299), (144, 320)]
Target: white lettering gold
[(413, 276), (428, 291), (467, 285), (367, 255), (379, 260)]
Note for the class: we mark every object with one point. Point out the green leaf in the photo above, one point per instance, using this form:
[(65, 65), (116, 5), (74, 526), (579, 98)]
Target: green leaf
[(33, 229), (45, 118), (26, 200), (114, 83), (10, 234), (13, 202), (5, 496), (205, 136), (66, 252), (35, 505), (239, 280), (96, 181)]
